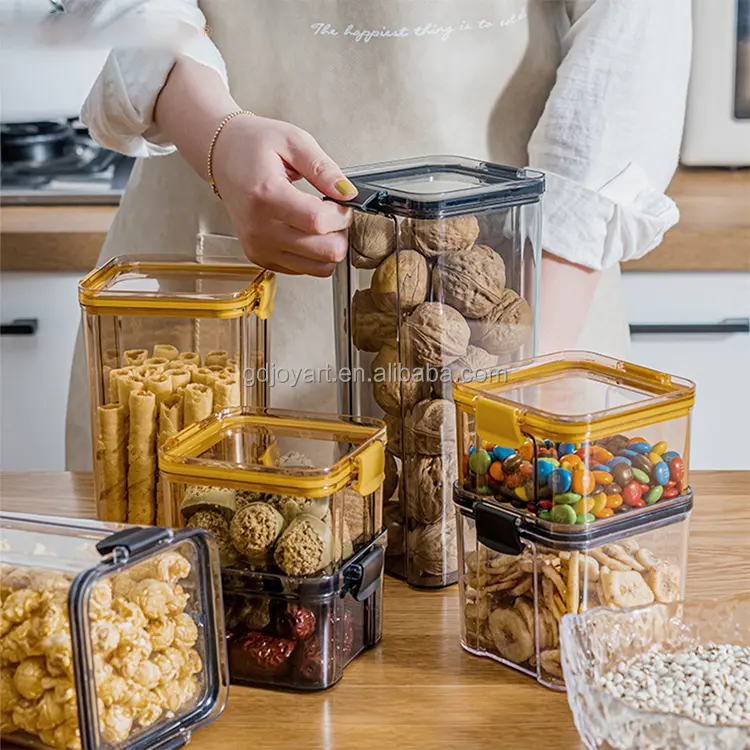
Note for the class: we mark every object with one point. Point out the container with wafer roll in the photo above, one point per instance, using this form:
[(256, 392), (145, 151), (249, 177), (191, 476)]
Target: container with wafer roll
[(169, 342)]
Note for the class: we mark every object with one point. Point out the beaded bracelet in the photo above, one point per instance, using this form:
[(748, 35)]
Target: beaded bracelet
[(213, 145)]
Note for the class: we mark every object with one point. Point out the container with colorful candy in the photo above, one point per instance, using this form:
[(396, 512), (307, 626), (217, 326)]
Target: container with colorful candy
[(575, 437)]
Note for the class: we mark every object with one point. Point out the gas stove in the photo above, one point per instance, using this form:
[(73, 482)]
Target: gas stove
[(57, 162)]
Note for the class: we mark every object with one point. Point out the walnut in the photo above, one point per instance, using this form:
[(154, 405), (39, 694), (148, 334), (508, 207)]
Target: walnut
[(430, 427), (433, 548), (393, 383), (476, 363), (404, 272), (372, 238), (435, 237), (371, 328), (429, 486), (472, 281), (393, 429), (507, 327), (436, 335), (390, 483)]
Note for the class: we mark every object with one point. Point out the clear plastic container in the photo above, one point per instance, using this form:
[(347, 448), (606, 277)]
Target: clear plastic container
[(300, 633), (520, 575), (112, 636), (286, 492), (575, 437), (169, 340), (441, 279)]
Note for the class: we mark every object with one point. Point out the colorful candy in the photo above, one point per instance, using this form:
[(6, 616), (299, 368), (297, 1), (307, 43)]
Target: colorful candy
[(479, 461), (660, 473), (560, 480), (563, 514)]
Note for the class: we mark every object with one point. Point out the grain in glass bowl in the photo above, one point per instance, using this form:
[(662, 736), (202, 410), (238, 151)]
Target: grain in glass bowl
[(600, 643)]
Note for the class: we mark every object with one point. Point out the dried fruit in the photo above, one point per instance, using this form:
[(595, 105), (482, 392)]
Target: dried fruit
[(311, 665), (429, 481), (372, 238), (393, 383), (664, 581), (625, 589), (472, 281), (507, 327), (400, 282), (430, 426), (261, 654), (371, 328), (511, 635), (296, 622), (434, 237), (436, 335)]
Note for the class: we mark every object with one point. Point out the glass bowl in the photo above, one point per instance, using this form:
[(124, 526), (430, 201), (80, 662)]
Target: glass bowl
[(594, 642)]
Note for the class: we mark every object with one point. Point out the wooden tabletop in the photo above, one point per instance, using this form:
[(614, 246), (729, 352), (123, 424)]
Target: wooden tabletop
[(418, 689)]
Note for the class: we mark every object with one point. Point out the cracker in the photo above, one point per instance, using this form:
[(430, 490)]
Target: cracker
[(552, 574), (604, 559), (573, 583)]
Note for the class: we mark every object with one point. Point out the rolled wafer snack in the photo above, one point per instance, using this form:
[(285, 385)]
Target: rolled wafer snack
[(170, 423), (148, 371), (204, 375), (226, 393), (179, 377), (134, 357), (233, 365), (142, 458), (216, 358), (112, 463), (157, 361), (114, 375), (198, 403), (125, 385), (167, 351), (176, 364), (190, 358), (216, 369), (160, 386)]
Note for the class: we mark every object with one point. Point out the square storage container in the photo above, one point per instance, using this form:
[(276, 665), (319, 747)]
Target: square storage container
[(520, 574), (575, 437), (441, 279), (112, 636), (169, 341), (300, 633), (285, 492)]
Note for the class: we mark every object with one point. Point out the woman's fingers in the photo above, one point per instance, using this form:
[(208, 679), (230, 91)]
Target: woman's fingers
[(305, 212)]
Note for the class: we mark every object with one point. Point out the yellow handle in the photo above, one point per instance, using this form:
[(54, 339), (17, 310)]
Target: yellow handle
[(370, 469), (498, 423), (270, 456), (266, 296)]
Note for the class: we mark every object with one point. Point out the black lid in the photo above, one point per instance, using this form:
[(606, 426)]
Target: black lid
[(437, 186), (505, 528)]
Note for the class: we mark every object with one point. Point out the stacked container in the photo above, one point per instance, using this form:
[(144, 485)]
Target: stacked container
[(112, 636), (169, 340), (441, 279), (572, 494), (295, 502)]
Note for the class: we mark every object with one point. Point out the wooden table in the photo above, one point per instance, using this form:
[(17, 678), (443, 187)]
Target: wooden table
[(418, 689)]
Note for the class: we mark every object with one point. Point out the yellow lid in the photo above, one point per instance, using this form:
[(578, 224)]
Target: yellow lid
[(177, 286), (570, 397), (250, 448)]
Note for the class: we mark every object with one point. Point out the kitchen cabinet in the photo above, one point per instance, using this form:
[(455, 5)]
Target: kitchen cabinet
[(716, 358), (35, 368)]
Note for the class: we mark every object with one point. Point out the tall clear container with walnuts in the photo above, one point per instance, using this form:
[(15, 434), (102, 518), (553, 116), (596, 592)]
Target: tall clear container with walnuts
[(441, 282)]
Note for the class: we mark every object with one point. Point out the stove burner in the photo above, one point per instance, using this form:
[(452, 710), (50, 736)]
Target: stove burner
[(36, 143)]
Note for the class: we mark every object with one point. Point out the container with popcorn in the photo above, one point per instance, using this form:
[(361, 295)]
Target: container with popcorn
[(169, 341), (441, 279), (111, 636), (520, 574)]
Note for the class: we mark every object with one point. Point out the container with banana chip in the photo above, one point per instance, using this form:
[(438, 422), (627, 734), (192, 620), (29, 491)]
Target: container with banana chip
[(112, 636), (520, 574), (169, 341)]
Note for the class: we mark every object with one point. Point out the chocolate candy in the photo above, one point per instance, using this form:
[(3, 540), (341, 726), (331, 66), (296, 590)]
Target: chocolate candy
[(479, 461), (654, 495), (622, 474), (660, 473), (613, 489), (641, 462), (631, 493), (560, 480), (617, 460), (512, 464), (640, 476)]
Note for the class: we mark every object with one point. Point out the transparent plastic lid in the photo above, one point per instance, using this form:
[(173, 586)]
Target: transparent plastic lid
[(181, 286), (279, 451), (570, 396), (443, 186)]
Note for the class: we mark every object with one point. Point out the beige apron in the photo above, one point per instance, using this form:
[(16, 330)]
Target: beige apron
[(372, 80)]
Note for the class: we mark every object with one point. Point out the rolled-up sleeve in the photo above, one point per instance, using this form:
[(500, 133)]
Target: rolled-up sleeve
[(119, 110), (610, 134)]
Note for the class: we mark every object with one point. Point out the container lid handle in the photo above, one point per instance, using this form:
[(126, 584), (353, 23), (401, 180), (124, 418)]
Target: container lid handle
[(497, 530), (370, 469), (498, 422), (133, 540), (266, 296), (363, 577)]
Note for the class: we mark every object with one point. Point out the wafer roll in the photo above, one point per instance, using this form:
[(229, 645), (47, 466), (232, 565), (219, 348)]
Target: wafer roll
[(167, 351), (112, 463), (125, 385), (170, 423), (142, 458), (149, 371), (204, 376), (176, 364), (226, 393), (158, 361), (160, 386), (233, 365), (216, 369), (198, 403), (114, 375), (134, 357), (190, 358), (216, 358), (179, 377)]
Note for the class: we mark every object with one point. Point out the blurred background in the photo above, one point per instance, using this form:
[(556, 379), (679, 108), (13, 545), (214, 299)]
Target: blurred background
[(688, 301)]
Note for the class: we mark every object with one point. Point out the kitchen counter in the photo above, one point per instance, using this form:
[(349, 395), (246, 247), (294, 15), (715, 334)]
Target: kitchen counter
[(713, 234), (418, 689)]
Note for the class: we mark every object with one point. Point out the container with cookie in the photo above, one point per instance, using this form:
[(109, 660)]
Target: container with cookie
[(294, 500), (576, 438), (112, 636), (169, 341), (521, 574), (441, 280)]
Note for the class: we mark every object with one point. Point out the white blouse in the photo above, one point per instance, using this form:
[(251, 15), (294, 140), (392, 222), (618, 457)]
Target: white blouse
[(608, 138)]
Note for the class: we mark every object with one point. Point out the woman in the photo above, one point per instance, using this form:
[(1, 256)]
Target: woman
[(590, 91)]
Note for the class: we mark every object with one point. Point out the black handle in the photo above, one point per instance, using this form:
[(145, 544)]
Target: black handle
[(362, 200), (20, 327), (133, 540), (363, 577), (731, 325), (497, 530)]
